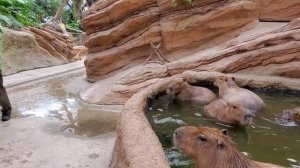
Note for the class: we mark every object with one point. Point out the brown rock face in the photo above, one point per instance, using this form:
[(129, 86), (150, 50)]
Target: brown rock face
[(276, 47), (191, 28), (279, 10), (22, 52), (56, 43), (119, 31), (273, 53)]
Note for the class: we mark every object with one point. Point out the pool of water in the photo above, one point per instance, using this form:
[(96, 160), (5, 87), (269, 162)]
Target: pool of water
[(57, 99), (266, 140)]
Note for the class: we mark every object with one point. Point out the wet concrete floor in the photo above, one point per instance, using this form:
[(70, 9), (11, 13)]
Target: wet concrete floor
[(52, 128)]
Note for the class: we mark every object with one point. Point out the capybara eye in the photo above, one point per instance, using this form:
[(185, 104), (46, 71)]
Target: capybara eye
[(202, 138), (233, 78), (224, 131), (234, 107)]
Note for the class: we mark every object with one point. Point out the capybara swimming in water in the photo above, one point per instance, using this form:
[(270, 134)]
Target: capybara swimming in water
[(212, 148), (232, 93), (229, 113), (290, 115), (180, 89)]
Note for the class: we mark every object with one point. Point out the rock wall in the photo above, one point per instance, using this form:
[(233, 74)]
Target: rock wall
[(275, 53), (22, 52), (119, 31), (279, 10), (56, 43)]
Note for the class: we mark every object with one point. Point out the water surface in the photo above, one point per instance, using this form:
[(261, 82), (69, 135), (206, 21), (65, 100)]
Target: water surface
[(265, 141)]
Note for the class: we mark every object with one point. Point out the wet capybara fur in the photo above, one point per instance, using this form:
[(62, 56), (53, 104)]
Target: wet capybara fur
[(213, 148), (180, 89), (232, 93), (229, 113), (290, 115)]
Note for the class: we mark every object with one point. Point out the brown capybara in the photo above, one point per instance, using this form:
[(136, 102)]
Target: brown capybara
[(180, 89), (229, 113), (290, 115), (212, 148), (232, 93)]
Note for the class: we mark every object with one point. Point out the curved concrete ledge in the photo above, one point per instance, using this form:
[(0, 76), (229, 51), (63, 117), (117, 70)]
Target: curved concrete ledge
[(137, 145)]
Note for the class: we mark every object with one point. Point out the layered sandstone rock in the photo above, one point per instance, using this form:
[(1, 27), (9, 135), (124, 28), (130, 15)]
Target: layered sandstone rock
[(279, 10), (56, 43), (22, 52), (274, 53), (119, 32)]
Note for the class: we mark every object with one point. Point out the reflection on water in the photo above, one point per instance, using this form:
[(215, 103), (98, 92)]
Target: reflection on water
[(266, 140), (57, 99)]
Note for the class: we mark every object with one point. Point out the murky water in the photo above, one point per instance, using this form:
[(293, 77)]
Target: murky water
[(57, 99), (265, 141)]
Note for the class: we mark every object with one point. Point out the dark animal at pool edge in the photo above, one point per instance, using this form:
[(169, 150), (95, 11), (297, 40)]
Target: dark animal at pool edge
[(229, 113), (180, 89), (232, 93), (291, 115)]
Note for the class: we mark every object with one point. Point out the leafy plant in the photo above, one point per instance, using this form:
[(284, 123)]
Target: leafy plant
[(16, 14), (22, 13)]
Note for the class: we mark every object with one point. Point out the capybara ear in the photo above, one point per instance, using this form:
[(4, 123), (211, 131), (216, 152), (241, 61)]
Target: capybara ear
[(220, 144), (224, 131)]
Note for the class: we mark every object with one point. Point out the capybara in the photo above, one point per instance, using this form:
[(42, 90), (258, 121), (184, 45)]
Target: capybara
[(232, 93), (290, 115), (213, 148), (229, 113), (180, 89)]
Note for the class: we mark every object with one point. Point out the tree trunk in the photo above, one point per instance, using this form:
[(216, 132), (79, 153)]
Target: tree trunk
[(60, 10)]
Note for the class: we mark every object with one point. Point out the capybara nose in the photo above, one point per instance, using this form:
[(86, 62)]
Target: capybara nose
[(178, 133), (248, 118)]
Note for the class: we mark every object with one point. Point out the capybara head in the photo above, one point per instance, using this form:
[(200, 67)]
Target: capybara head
[(175, 86), (224, 81), (195, 140), (229, 113), (237, 114), (209, 146), (287, 116)]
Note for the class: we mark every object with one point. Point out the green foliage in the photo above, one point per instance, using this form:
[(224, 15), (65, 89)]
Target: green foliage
[(48, 6), (176, 2), (22, 13), (16, 13), (72, 24)]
